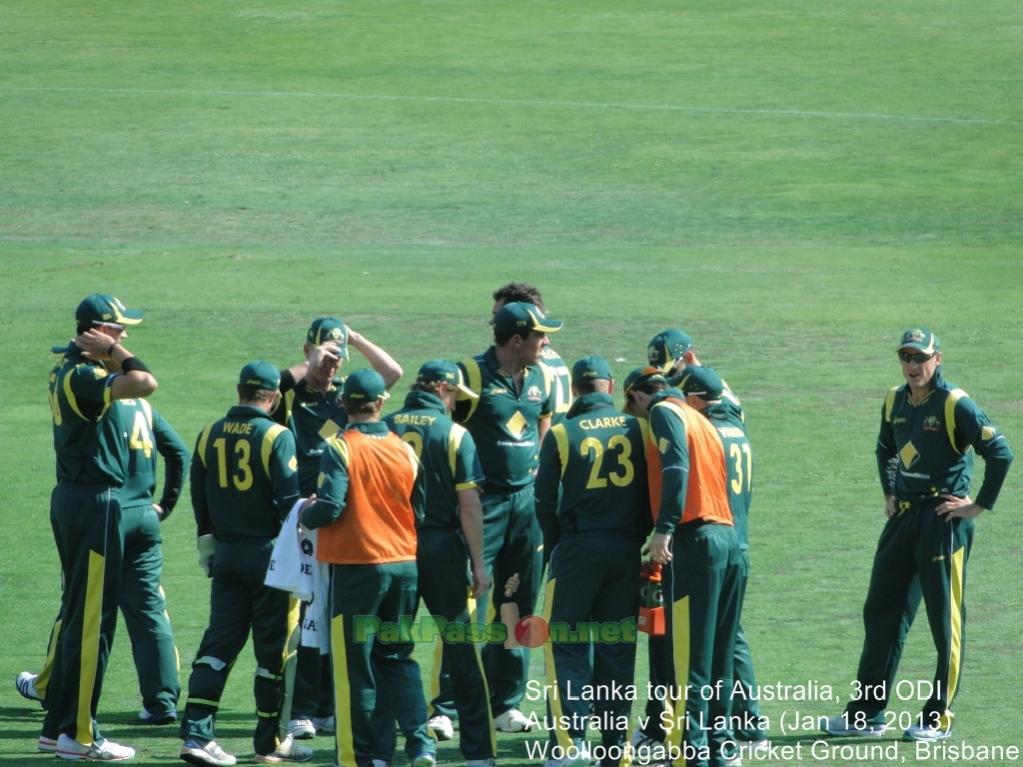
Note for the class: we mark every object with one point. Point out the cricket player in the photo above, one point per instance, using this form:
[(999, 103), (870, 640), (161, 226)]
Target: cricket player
[(311, 407), (450, 549), (594, 460), (243, 484), (695, 536), (85, 512), (142, 601), (508, 423), (369, 501), (704, 390), (930, 431)]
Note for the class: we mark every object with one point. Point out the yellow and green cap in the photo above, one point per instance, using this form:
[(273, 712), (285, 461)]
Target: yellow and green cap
[(519, 318), (261, 374), (921, 339), (639, 377), (592, 368), (446, 372), (103, 309), (364, 385), (703, 382), (666, 347), (329, 330)]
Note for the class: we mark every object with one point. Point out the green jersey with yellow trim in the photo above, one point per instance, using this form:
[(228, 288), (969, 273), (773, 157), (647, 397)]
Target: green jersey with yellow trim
[(313, 416), (739, 460), (244, 476), (926, 449), (89, 447), (446, 450), (504, 420), (559, 381), (596, 457), (148, 434)]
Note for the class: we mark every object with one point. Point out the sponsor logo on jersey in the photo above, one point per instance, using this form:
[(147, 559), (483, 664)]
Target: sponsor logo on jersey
[(931, 423)]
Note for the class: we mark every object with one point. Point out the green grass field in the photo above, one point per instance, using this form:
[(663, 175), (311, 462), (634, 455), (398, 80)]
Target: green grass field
[(793, 183)]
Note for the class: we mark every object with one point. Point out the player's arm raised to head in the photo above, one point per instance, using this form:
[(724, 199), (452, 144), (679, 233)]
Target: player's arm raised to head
[(381, 361), (134, 380)]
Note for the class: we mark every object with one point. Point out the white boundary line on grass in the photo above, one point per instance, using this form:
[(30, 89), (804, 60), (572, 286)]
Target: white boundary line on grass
[(541, 103)]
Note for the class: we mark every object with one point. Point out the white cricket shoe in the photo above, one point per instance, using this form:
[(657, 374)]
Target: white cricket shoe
[(512, 720), (287, 751), (99, 751), (195, 752), (843, 725), (578, 756), (301, 729), (927, 732), (440, 727), (646, 750), (26, 685)]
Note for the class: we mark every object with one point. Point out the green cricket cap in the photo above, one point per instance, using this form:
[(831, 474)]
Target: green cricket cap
[(703, 382), (592, 368), (100, 308), (364, 385), (447, 372), (329, 330), (666, 347), (260, 374), (645, 375), (519, 318), (921, 339)]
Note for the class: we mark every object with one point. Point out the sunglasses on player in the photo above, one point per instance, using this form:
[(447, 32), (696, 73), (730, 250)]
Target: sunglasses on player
[(920, 357)]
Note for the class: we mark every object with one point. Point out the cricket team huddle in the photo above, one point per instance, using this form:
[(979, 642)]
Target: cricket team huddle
[(500, 475)]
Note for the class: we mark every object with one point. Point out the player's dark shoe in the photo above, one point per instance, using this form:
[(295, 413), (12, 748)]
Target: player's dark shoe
[(157, 717)]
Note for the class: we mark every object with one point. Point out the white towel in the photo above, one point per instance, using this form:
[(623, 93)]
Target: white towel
[(291, 567), (316, 624)]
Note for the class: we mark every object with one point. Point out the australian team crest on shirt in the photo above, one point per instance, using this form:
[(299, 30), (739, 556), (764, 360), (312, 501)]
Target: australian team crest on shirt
[(533, 394), (931, 423)]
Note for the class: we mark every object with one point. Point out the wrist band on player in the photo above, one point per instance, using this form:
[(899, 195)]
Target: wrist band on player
[(134, 363)]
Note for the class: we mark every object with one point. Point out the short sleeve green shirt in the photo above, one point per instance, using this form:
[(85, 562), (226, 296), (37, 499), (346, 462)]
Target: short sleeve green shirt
[(447, 452), (89, 447), (244, 476), (504, 420), (596, 457)]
